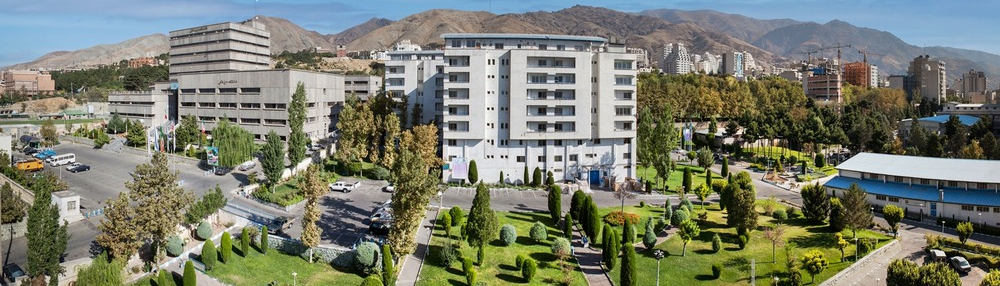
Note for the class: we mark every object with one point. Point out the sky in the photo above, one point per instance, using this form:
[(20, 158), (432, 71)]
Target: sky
[(33, 28)]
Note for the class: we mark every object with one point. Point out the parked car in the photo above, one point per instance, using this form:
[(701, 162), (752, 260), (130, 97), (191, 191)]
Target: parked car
[(221, 171), (390, 188), (938, 255), (380, 227), (12, 272), (344, 186), (29, 150), (248, 165), (279, 224), (45, 154), (961, 264), (78, 167), (381, 214)]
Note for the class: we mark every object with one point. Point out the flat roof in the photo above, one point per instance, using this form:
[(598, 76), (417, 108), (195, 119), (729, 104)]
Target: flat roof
[(522, 36), (945, 169), (919, 192), (966, 120)]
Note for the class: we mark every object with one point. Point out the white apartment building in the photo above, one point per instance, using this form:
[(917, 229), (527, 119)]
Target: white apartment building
[(564, 104), (676, 59), (220, 47), (418, 77)]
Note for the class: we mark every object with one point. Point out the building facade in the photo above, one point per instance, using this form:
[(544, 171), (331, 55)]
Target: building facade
[(925, 187), (934, 124), (417, 77), (732, 64), (676, 59), (929, 78), (220, 47), (861, 74), (150, 107), (28, 82), (362, 86), (564, 104), (991, 111)]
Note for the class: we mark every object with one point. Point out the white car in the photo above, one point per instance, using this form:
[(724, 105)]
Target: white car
[(390, 188), (344, 186)]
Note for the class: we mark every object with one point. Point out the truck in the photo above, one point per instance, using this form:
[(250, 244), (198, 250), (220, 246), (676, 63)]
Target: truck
[(344, 186), (30, 165)]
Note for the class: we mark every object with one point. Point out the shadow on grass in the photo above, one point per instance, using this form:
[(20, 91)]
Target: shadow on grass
[(455, 271), (542, 256), (740, 263), (704, 277), (508, 267), (510, 278), (456, 282), (709, 225), (704, 251), (813, 240)]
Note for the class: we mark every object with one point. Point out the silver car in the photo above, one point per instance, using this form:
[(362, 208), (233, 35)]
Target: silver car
[(961, 264)]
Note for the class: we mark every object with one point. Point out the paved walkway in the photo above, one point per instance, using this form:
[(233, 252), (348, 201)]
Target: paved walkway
[(410, 271), (590, 258)]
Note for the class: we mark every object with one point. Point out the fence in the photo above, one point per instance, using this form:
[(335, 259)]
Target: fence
[(861, 264), (331, 254), (25, 194)]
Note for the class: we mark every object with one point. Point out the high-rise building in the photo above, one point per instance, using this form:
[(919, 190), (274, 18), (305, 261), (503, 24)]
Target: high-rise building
[(220, 47), (676, 59), (732, 64), (929, 78), (707, 63), (860, 74), (418, 77), (821, 80), (564, 104)]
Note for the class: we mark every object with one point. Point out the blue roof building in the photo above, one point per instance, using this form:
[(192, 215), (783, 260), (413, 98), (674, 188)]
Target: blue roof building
[(934, 123), (959, 189)]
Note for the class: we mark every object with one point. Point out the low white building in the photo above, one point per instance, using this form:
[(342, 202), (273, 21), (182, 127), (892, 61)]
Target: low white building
[(925, 187)]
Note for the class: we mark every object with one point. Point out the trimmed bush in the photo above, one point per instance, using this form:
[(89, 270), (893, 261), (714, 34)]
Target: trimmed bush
[(245, 242), (175, 246), (716, 243), (628, 233), (388, 266), (189, 276), (649, 239), (561, 247), (372, 280), (519, 261), (549, 180), (263, 240), (686, 203), (716, 270), (470, 277), (226, 251), (820, 161), (538, 232), (642, 204), (536, 177), (481, 254), (568, 226), (743, 240), (447, 255), (555, 202), (529, 269), (508, 234), (679, 217), (779, 215), (446, 224), (163, 277), (576, 205), (668, 211), (379, 173), (456, 215), (617, 218), (661, 224), (473, 172), (366, 257), (209, 255), (629, 266), (204, 230), (467, 265), (610, 248), (793, 212)]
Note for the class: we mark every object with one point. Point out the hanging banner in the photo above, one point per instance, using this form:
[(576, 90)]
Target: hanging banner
[(213, 155), (459, 168)]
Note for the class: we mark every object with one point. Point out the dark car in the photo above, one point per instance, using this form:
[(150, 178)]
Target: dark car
[(279, 225), (29, 150), (12, 272), (380, 227), (221, 171), (77, 167)]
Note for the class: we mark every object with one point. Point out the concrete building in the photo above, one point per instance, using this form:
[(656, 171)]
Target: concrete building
[(258, 100), (929, 79), (151, 107), (143, 62), (861, 74), (641, 57), (565, 104), (362, 86), (749, 64), (732, 64), (955, 190), (28, 82), (991, 111), (220, 47), (972, 87), (676, 59), (934, 124), (417, 77), (707, 63)]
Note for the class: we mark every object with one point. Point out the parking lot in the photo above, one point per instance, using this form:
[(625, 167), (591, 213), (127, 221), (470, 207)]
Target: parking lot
[(109, 172), (344, 216)]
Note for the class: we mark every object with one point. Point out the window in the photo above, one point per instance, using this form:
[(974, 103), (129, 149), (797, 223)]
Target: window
[(623, 81), (623, 65), (274, 122), (996, 210), (894, 199), (206, 90), (573, 158), (897, 179), (456, 43), (206, 104), (543, 111), (873, 176), (925, 182), (187, 104), (543, 63), (967, 208), (627, 95), (880, 197), (274, 106), (560, 47), (558, 158), (953, 184), (452, 142), (231, 90), (982, 209), (627, 155), (558, 128), (498, 46), (250, 90), (250, 105), (71, 205), (541, 158), (597, 141), (982, 186), (541, 142), (622, 111), (558, 142), (250, 120), (541, 127), (227, 105), (543, 47), (520, 159), (591, 155), (627, 126), (628, 141)]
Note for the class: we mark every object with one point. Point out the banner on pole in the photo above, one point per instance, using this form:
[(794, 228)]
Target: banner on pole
[(213, 155), (460, 168)]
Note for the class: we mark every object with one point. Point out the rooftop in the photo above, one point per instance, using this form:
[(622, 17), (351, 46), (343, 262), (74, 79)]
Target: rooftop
[(523, 36), (966, 120), (919, 192), (945, 169)]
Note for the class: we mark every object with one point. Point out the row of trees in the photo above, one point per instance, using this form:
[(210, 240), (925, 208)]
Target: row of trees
[(847, 211), (957, 141)]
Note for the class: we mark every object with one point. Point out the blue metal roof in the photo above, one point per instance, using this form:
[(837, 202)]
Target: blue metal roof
[(919, 192), (942, 169), (965, 119)]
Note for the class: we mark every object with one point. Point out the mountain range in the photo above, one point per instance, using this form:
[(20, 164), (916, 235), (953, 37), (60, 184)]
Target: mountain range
[(771, 41)]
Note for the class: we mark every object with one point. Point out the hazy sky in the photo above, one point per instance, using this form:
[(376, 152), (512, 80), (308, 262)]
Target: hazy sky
[(33, 28)]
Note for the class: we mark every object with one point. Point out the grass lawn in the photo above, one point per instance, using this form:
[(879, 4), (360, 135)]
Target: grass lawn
[(56, 121), (676, 177), (696, 267), (498, 267), (288, 193), (259, 269)]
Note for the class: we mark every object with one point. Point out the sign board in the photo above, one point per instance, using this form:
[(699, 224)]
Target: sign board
[(460, 168), (213, 155)]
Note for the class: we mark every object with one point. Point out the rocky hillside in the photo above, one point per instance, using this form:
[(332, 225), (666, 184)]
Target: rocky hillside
[(151, 45), (358, 31), (739, 26), (287, 36)]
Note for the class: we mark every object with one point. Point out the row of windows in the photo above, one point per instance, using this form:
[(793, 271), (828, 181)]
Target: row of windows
[(244, 105), (900, 179), (539, 143), (223, 90), (212, 119), (979, 208)]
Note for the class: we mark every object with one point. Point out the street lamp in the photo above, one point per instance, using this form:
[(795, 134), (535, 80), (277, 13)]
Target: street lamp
[(440, 199), (942, 225), (658, 254), (981, 223), (876, 281), (294, 276), (855, 249)]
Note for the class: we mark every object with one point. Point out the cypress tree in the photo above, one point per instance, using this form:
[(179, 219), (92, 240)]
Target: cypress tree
[(296, 118), (473, 174), (388, 267), (245, 243), (209, 255), (263, 240), (227, 247), (536, 177), (555, 203), (568, 227), (189, 276), (687, 180), (525, 181), (725, 167), (628, 274)]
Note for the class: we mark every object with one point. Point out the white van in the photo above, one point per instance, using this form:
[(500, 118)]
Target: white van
[(63, 159)]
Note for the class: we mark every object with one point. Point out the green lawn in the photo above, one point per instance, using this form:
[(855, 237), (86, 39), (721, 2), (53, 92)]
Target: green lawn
[(56, 121), (498, 267), (676, 177), (259, 269), (696, 267), (288, 193)]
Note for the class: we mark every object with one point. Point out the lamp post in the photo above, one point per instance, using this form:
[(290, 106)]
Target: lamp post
[(855, 249), (440, 199), (294, 280), (876, 281), (981, 223), (942, 225), (658, 254)]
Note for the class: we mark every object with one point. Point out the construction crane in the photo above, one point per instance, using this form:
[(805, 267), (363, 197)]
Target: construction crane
[(865, 53)]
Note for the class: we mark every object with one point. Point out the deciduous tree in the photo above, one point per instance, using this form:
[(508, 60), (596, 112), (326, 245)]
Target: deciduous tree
[(296, 118), (776, 236), (313, 187), (158, 200), (47, 238), (119, 234), (814, 263), (702, 192), (689, 230), (12, 209), (893, 215), (273, 161), (414, 188), (964, 230), (235, 143), (902, 272)]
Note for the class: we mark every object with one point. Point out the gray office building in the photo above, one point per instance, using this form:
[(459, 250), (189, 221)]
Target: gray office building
[(220, 47)]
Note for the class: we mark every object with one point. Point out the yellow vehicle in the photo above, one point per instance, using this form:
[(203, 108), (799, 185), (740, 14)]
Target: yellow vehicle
[(30, 165)]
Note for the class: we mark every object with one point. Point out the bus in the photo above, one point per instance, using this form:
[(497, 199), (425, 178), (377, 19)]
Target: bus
[(63, 159)]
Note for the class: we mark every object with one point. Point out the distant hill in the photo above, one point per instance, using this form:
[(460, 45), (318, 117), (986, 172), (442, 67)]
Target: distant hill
[(358, 31), (287, 36), (151, 45), (739, 26)]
